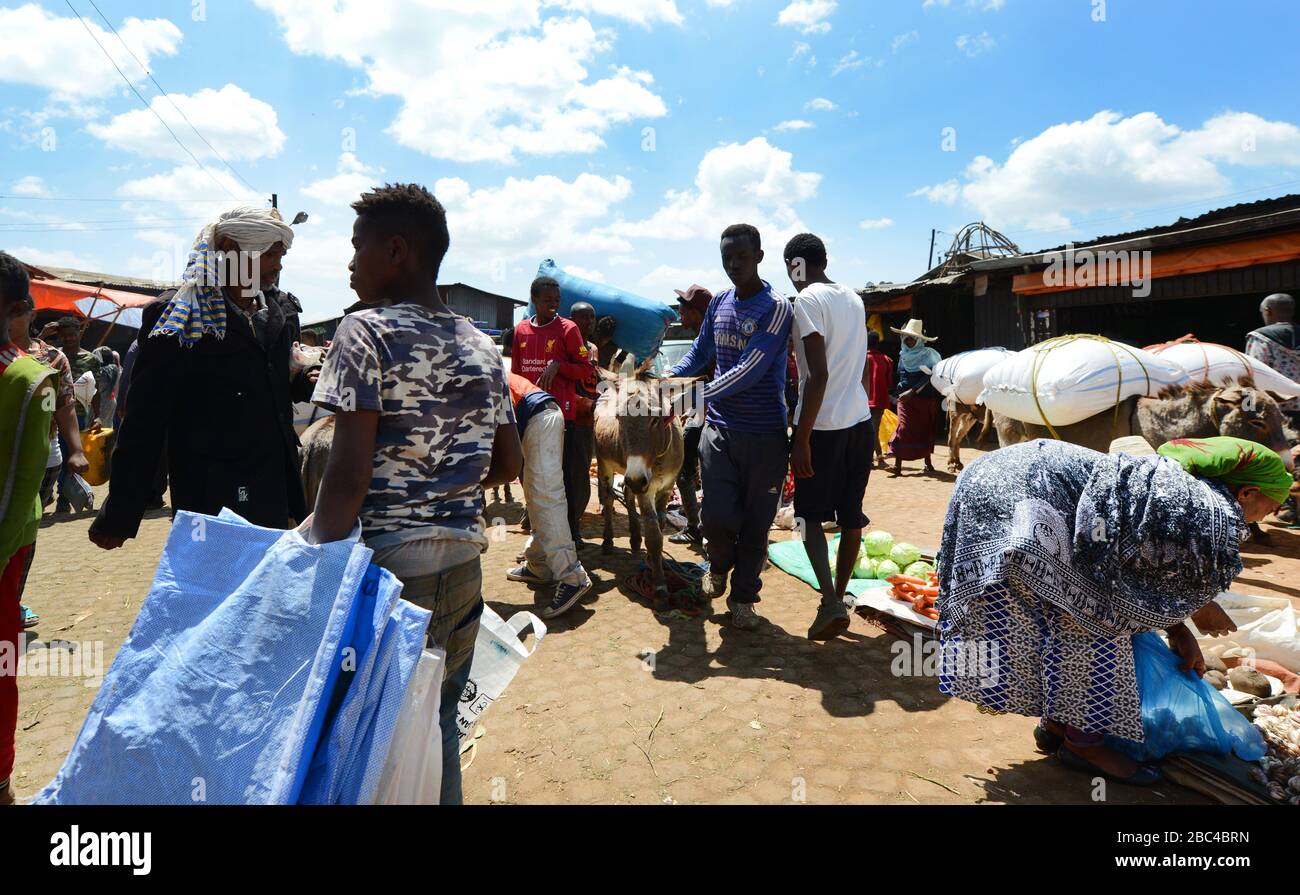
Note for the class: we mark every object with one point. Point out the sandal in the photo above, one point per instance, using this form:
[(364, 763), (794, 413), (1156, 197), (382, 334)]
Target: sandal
[(1145, 775), (1047, 741), (30, 619)]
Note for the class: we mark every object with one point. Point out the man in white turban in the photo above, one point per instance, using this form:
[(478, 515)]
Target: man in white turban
[(211, 386)]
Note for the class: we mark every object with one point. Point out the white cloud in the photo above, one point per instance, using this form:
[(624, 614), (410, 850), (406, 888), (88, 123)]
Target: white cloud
[(820, 104), (585, 273), (795, 124), (946, 193), (809, 16), (803, 51), (189, 182), (983, 5), (752, 182), (29, 186), (54, 258), (351, 180), (660, 282), (638, 12), (527, 220), (237, 125), (876, 224), (1112, 163), (477, 82), (976, 44), (903, 40), (43, 50), (852, 60)]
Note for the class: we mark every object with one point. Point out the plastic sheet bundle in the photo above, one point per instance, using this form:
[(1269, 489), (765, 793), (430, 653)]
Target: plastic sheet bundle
[(261, 670), (640, 323)]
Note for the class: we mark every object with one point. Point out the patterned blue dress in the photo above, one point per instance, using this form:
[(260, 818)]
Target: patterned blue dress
[(1053, 557)]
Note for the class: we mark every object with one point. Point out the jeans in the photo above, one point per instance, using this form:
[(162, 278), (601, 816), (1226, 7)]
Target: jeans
[(689, 476), (743, 473), (455, 596), (579, 449)]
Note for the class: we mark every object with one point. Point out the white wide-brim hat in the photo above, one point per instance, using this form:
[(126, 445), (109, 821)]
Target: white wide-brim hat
[(915, 329)]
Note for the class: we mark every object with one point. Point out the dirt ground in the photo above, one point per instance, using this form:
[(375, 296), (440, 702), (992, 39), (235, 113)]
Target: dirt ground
[(617, 707)]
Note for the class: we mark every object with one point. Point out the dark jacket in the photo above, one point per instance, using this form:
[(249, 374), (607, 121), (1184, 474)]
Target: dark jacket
[(222, 409)]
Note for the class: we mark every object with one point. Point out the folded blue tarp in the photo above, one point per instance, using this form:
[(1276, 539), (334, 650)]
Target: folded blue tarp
[(241, 672), (642, 322)]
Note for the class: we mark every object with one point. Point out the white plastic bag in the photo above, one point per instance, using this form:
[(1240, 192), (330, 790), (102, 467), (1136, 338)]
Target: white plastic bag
[(1073, 378), (413, 772), (498, 653), (1268, 625), (962, 375), (84, 390), (1224, 366)]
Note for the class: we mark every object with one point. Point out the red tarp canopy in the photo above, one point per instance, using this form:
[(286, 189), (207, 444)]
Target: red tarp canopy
[(60, 296)]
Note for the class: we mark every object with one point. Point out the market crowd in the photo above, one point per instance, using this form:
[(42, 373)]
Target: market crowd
[(429, 412)]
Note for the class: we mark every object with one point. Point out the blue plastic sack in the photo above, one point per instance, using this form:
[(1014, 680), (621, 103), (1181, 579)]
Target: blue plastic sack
[(642, 323), (232, 678), (1181, 712)]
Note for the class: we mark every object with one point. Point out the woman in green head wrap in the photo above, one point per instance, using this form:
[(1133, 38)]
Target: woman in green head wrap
[(1255, 475), (1056, 560)]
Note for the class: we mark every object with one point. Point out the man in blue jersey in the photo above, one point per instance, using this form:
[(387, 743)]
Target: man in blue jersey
[(744, 447)]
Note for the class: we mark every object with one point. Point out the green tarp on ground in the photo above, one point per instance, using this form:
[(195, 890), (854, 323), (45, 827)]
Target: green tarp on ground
[(791, 557)]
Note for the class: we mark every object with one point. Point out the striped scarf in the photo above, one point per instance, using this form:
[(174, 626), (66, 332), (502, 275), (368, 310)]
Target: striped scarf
[(199, 305)]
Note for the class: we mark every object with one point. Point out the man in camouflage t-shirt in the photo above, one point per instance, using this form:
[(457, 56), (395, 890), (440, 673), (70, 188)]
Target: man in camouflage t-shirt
[(422, 424)]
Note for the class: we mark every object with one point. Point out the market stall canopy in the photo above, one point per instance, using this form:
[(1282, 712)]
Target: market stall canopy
[(62, 296), (113, 306)]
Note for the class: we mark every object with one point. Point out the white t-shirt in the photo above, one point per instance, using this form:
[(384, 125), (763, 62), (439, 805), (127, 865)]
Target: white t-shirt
[(838, 314)]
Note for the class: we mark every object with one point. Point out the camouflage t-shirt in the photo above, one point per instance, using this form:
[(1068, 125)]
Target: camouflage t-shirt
[(440, 388)]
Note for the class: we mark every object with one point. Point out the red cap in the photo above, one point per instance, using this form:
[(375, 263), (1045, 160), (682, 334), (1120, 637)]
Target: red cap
[(696, 297)]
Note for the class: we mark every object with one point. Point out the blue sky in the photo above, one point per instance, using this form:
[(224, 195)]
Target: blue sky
[(621, 136)]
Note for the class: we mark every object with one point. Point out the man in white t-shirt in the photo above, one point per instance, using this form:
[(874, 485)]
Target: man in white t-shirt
[(831, 457)]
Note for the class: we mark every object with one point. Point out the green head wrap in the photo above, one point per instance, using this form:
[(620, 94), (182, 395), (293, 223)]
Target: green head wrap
[(1235, 462)]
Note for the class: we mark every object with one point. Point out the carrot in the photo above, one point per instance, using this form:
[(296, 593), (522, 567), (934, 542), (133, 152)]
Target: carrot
[(906, 579)]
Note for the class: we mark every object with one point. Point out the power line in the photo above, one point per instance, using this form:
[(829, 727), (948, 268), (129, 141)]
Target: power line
[(29, 224), (144, 102), (167, 97), (121, 201)]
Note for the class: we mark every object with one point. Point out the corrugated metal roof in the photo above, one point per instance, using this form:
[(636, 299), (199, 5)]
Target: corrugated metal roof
[(91, 278)]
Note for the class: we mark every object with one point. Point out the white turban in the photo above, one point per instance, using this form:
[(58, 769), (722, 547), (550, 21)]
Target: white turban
[(199, 307)]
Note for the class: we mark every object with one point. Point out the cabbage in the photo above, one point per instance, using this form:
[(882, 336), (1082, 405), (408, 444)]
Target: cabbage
[(919, 569), (878, 543), (866, 567), (904, 555), (887, 569)]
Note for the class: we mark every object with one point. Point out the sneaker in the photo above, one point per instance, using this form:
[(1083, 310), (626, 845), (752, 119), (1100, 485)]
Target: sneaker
[(743, 616), (566, 597), (831, 622), (714, 586), (63, 507), (525, 575), (686, 537)]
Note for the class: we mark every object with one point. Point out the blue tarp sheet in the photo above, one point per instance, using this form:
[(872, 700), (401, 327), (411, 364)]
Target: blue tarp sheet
[(259, 671)]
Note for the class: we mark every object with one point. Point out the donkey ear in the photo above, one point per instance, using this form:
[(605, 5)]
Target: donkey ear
[(1276, 397), (1231, 396)]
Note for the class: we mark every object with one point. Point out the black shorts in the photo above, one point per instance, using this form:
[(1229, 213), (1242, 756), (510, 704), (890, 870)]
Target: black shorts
[(841, 461)]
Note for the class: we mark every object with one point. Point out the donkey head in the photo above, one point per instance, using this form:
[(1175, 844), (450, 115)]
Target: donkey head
[(645, 420), (1245, 411)]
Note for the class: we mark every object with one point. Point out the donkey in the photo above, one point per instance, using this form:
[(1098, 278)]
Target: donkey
[(316, 443), (638, 435), (1194, 410), (961, 419)]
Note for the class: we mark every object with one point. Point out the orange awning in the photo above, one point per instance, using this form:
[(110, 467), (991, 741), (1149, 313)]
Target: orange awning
[(893, 305), (60, 296), (1167, 263)]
